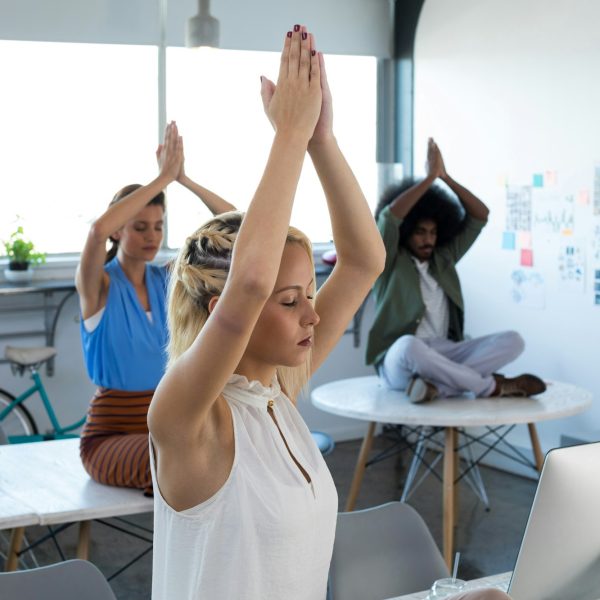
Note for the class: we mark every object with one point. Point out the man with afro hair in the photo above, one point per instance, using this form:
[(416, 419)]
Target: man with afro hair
[(417, 342)]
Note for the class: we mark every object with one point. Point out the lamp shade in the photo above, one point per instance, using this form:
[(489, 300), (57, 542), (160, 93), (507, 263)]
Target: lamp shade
[(203, 29)]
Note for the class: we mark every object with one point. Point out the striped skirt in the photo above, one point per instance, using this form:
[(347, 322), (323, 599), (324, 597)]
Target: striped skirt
[(114, 440)]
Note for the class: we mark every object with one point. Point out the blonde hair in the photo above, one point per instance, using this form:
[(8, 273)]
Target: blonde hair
[(199, 273)]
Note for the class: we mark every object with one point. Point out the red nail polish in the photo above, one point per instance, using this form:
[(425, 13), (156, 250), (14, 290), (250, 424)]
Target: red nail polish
[(289, 34), (296, 27), (313, 52), (304, 35)]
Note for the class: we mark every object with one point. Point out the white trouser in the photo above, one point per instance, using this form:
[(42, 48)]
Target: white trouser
[(453, 367)]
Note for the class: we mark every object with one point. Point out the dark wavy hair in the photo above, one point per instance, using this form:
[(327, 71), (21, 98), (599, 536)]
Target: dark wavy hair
[(159, 200), (436, 204)]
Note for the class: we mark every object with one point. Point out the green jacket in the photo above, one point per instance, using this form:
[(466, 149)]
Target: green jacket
[(399, 306)]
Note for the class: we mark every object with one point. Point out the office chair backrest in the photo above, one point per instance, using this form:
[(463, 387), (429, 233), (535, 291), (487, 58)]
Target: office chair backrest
[(69, 580), (383, 552)]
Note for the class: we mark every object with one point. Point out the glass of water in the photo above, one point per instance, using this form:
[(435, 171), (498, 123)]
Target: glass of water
[(444, 588)]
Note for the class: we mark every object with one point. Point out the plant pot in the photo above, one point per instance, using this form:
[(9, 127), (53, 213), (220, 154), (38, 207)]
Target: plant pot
[(18, 275)]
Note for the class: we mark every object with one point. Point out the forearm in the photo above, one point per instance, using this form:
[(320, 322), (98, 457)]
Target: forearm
[(213, 202), (472, 204), (404, 203), (263, 232), (119, 213), (356, 237)]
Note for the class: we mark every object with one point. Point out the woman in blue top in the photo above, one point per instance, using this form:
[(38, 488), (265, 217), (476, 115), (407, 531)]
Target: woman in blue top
[(123, 325)]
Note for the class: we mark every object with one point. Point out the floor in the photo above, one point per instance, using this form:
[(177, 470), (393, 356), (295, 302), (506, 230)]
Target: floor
[(488, 540)]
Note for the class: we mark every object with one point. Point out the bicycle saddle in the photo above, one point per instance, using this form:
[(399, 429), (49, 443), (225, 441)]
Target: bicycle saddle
[(29, 356)]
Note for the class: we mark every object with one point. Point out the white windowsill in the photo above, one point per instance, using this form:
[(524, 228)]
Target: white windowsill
[(62, 266)]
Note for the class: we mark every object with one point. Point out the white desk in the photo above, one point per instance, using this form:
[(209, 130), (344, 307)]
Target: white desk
[(367, 399), (500, 581), (44, 483)]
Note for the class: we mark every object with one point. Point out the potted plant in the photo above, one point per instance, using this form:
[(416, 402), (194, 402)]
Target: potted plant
[(21, 255)]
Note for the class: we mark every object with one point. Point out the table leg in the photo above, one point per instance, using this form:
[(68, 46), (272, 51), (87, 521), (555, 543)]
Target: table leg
[(535, 445), (456, 472), (449, 498), (359, 470), (83, 541), (16, 539)]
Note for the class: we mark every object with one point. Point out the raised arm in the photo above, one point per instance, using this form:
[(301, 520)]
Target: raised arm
[(360, 251), (473, 206), (191, 386), (90, 279), (434, 167), (213, 202)]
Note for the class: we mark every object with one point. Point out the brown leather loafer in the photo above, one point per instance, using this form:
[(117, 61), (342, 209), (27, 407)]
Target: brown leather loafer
[(523, 385)]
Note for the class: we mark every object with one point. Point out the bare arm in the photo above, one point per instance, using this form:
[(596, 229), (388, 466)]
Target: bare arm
[(472, 204), (435, 168), (192, 385), (213, 202), (360, 251), (405, 202), (90, 278)]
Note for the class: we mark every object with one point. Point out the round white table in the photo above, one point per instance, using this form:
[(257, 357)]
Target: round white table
[(367, 399)]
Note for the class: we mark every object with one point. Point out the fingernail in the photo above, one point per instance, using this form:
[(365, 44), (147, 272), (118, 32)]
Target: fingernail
[(289, 34), (313, 52), (304, 35), (296, 27)]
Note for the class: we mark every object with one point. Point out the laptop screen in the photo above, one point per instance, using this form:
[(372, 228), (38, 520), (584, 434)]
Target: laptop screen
[(559, 558)]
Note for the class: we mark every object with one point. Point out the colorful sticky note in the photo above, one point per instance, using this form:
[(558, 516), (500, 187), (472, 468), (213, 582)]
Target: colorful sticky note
[(583, 197), (508, 240), (538, 180), (550, 178), (525, 239), (526, 257)]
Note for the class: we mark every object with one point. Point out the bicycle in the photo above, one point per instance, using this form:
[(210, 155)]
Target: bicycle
[(16, 422)]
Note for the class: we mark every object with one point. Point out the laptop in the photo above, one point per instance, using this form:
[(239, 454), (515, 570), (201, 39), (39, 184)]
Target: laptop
[(559, 557)]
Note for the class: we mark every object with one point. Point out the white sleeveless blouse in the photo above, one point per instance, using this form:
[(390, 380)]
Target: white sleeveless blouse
[(267, 534)]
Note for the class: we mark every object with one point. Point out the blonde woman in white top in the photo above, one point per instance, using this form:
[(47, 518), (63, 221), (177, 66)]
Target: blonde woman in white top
[(244, 504)]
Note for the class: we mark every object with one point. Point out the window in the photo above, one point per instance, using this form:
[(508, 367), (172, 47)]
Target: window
[(214, 95), (79, 122)]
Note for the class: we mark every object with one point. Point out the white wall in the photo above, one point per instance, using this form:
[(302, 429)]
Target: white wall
[(509, 89)]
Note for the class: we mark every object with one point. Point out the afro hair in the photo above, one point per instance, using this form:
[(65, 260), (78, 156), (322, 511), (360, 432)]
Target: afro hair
[(437, 204)]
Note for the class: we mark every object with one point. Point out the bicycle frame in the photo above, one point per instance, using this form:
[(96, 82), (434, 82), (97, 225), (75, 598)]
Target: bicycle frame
[(58, 431)]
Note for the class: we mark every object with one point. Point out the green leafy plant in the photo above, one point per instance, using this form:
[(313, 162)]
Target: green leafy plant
[(21, 252)]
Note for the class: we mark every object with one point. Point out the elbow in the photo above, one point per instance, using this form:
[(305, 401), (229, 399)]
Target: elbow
[(376, 263), (251, 285), (98, 233), (369, 265), (381, 258)]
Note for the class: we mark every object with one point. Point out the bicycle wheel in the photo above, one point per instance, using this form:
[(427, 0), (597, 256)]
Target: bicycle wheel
[(18, 421)]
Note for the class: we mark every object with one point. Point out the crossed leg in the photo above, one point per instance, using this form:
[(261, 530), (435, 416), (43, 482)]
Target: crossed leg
[(453, 367)]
